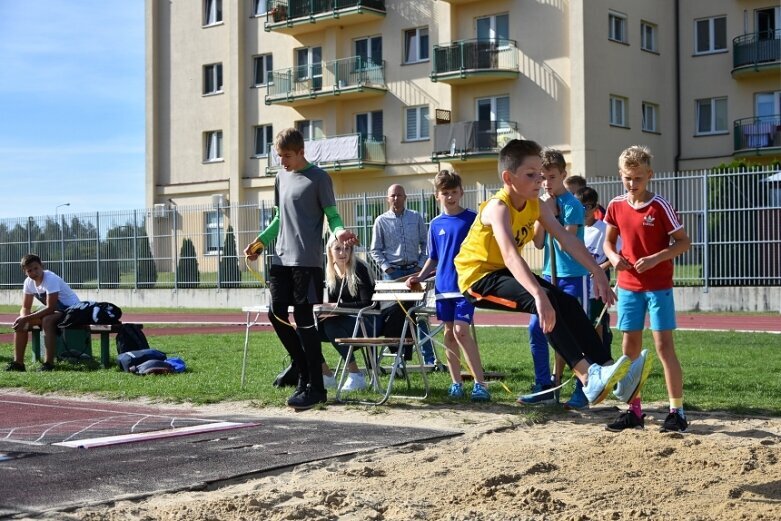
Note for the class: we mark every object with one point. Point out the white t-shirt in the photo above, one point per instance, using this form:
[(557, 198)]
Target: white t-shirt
[(594, 237), (51, 283)]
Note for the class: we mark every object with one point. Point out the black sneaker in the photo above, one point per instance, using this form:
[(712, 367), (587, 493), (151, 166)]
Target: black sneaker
[(626, 420), (307, 399), (674, 423), (45, 368), (287, 378), (15, 366)]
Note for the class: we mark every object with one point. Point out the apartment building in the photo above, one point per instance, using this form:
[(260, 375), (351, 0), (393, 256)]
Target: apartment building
[(394, 90)]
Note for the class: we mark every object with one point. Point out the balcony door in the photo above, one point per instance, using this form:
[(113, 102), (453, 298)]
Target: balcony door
[(369, 125), (767, 22), (309, 66), (492, 35), (493, 116)]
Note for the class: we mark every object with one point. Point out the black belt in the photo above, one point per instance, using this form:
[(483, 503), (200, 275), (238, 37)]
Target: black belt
[(404, 266)]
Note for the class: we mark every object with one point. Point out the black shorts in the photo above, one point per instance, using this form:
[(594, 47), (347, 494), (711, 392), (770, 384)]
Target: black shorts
[(500, 290), (293, 285)]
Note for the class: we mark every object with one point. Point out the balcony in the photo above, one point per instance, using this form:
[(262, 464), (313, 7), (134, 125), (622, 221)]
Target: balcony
[(757, 136), (475, 60), (346, 152), (304, 16), (348, 78), (472, 139), (756, 53)]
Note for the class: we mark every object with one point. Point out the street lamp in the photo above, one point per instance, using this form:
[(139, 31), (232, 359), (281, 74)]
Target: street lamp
[(57, 208)]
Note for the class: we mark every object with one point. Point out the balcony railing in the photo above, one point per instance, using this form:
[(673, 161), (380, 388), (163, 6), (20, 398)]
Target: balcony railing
[(757, 133), (349, 151), (474, 57), (288, 13), (332, 78), (469, 138), (756, 50)]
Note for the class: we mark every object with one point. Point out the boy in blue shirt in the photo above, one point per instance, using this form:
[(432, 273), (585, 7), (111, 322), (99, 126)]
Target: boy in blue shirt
[(446, 233)]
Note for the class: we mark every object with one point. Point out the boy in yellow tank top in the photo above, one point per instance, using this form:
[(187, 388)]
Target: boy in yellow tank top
[(492, 274)]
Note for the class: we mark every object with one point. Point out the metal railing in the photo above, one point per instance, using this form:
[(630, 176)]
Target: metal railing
[(732, 217), (756, 48), (474, 56), (289, 11), (337, 152), (758, 132), (325, 78), (464, 138)]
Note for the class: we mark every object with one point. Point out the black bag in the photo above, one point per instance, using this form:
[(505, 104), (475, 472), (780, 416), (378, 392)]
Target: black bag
[(89, 313), (131, 337), (152, 367), (132, 359)]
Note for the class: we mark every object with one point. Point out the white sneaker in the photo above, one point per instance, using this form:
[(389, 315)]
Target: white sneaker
[(329, 382), (354, 382)]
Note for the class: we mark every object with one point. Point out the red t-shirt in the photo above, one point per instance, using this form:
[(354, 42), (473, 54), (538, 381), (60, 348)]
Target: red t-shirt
[(644, 230)]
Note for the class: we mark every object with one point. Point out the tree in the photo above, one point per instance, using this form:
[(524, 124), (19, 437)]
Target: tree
[(230, 275), (187, 275), (146, 271)]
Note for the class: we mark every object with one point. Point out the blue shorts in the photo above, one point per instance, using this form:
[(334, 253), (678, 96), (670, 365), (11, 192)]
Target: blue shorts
[(632, 307), (452, 309)]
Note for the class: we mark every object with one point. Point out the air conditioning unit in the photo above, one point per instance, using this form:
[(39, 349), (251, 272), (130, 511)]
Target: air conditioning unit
[(160, 210)]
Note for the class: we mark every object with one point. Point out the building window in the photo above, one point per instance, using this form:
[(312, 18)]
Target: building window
[(212, 78), (369, 51), (493, 28), (309, 66), (264, 138), (416, 45), (417, 124), (618, 111), (369, 125), (311, 129), (648, 37), (495, 109), (263, 66), (212, 12), (213, 231), (711, 116), (617, 29), (650, 117), (213, 146), (710, 35), (259, 7)]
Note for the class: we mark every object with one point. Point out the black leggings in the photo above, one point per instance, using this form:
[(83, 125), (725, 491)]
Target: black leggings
[(302, 342), (573, 336)]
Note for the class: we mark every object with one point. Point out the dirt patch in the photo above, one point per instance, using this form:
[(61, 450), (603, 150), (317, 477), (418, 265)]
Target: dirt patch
[(509, 464)]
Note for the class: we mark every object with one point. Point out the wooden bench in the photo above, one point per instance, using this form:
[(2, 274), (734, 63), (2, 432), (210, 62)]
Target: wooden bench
[(104, 330)]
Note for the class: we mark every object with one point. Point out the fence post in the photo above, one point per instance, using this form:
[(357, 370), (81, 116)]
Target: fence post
[(706, 248), (219, 244), (176, 250), (135, 248), (97, 246), (365, 220), (29, 234), (62, 247)]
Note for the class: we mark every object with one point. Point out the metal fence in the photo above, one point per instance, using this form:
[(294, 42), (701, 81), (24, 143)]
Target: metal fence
[(733, 219)]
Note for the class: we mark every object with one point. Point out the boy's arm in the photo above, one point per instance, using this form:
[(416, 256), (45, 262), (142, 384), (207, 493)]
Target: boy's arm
[(611, 241), (26, 315), (337, 226), (378, 246), (254, 248), (680, 245), (539, 236), (577, 249), (497, 215), (429, 267)]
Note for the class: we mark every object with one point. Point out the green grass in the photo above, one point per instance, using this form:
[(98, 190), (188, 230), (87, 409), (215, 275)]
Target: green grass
[(736, 372)]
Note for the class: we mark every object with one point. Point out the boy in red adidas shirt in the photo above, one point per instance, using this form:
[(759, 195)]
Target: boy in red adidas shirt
[(652, 236)]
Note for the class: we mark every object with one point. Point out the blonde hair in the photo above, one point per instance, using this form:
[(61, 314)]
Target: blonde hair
[(349, 276), (634, 156)]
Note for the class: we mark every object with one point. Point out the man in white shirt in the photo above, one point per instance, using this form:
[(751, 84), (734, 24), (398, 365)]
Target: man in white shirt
[(56, 296)]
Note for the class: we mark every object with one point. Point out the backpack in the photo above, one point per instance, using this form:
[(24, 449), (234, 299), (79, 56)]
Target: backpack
[(90, 312), (152, 367), (132, 359), (131, 337)]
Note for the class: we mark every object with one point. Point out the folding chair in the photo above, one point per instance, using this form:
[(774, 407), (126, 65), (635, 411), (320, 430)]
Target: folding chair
[(377, 349)]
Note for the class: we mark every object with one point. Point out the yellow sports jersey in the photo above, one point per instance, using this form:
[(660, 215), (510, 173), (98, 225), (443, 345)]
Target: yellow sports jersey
[(480, 254)]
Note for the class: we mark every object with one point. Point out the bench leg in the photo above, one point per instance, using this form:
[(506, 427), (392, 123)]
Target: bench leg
[(104, 349), (36, 344)]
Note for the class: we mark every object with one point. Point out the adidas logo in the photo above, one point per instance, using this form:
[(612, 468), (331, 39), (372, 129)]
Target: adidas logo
[(441, 231), (648, 220)]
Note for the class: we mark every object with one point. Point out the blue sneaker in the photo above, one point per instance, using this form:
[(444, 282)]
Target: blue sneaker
[(578, 399), (602, 379), (630, 385), (480, 393), (538, 396), (456, 390)]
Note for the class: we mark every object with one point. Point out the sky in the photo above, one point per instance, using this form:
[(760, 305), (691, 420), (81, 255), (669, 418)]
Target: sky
[(71, 106)]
